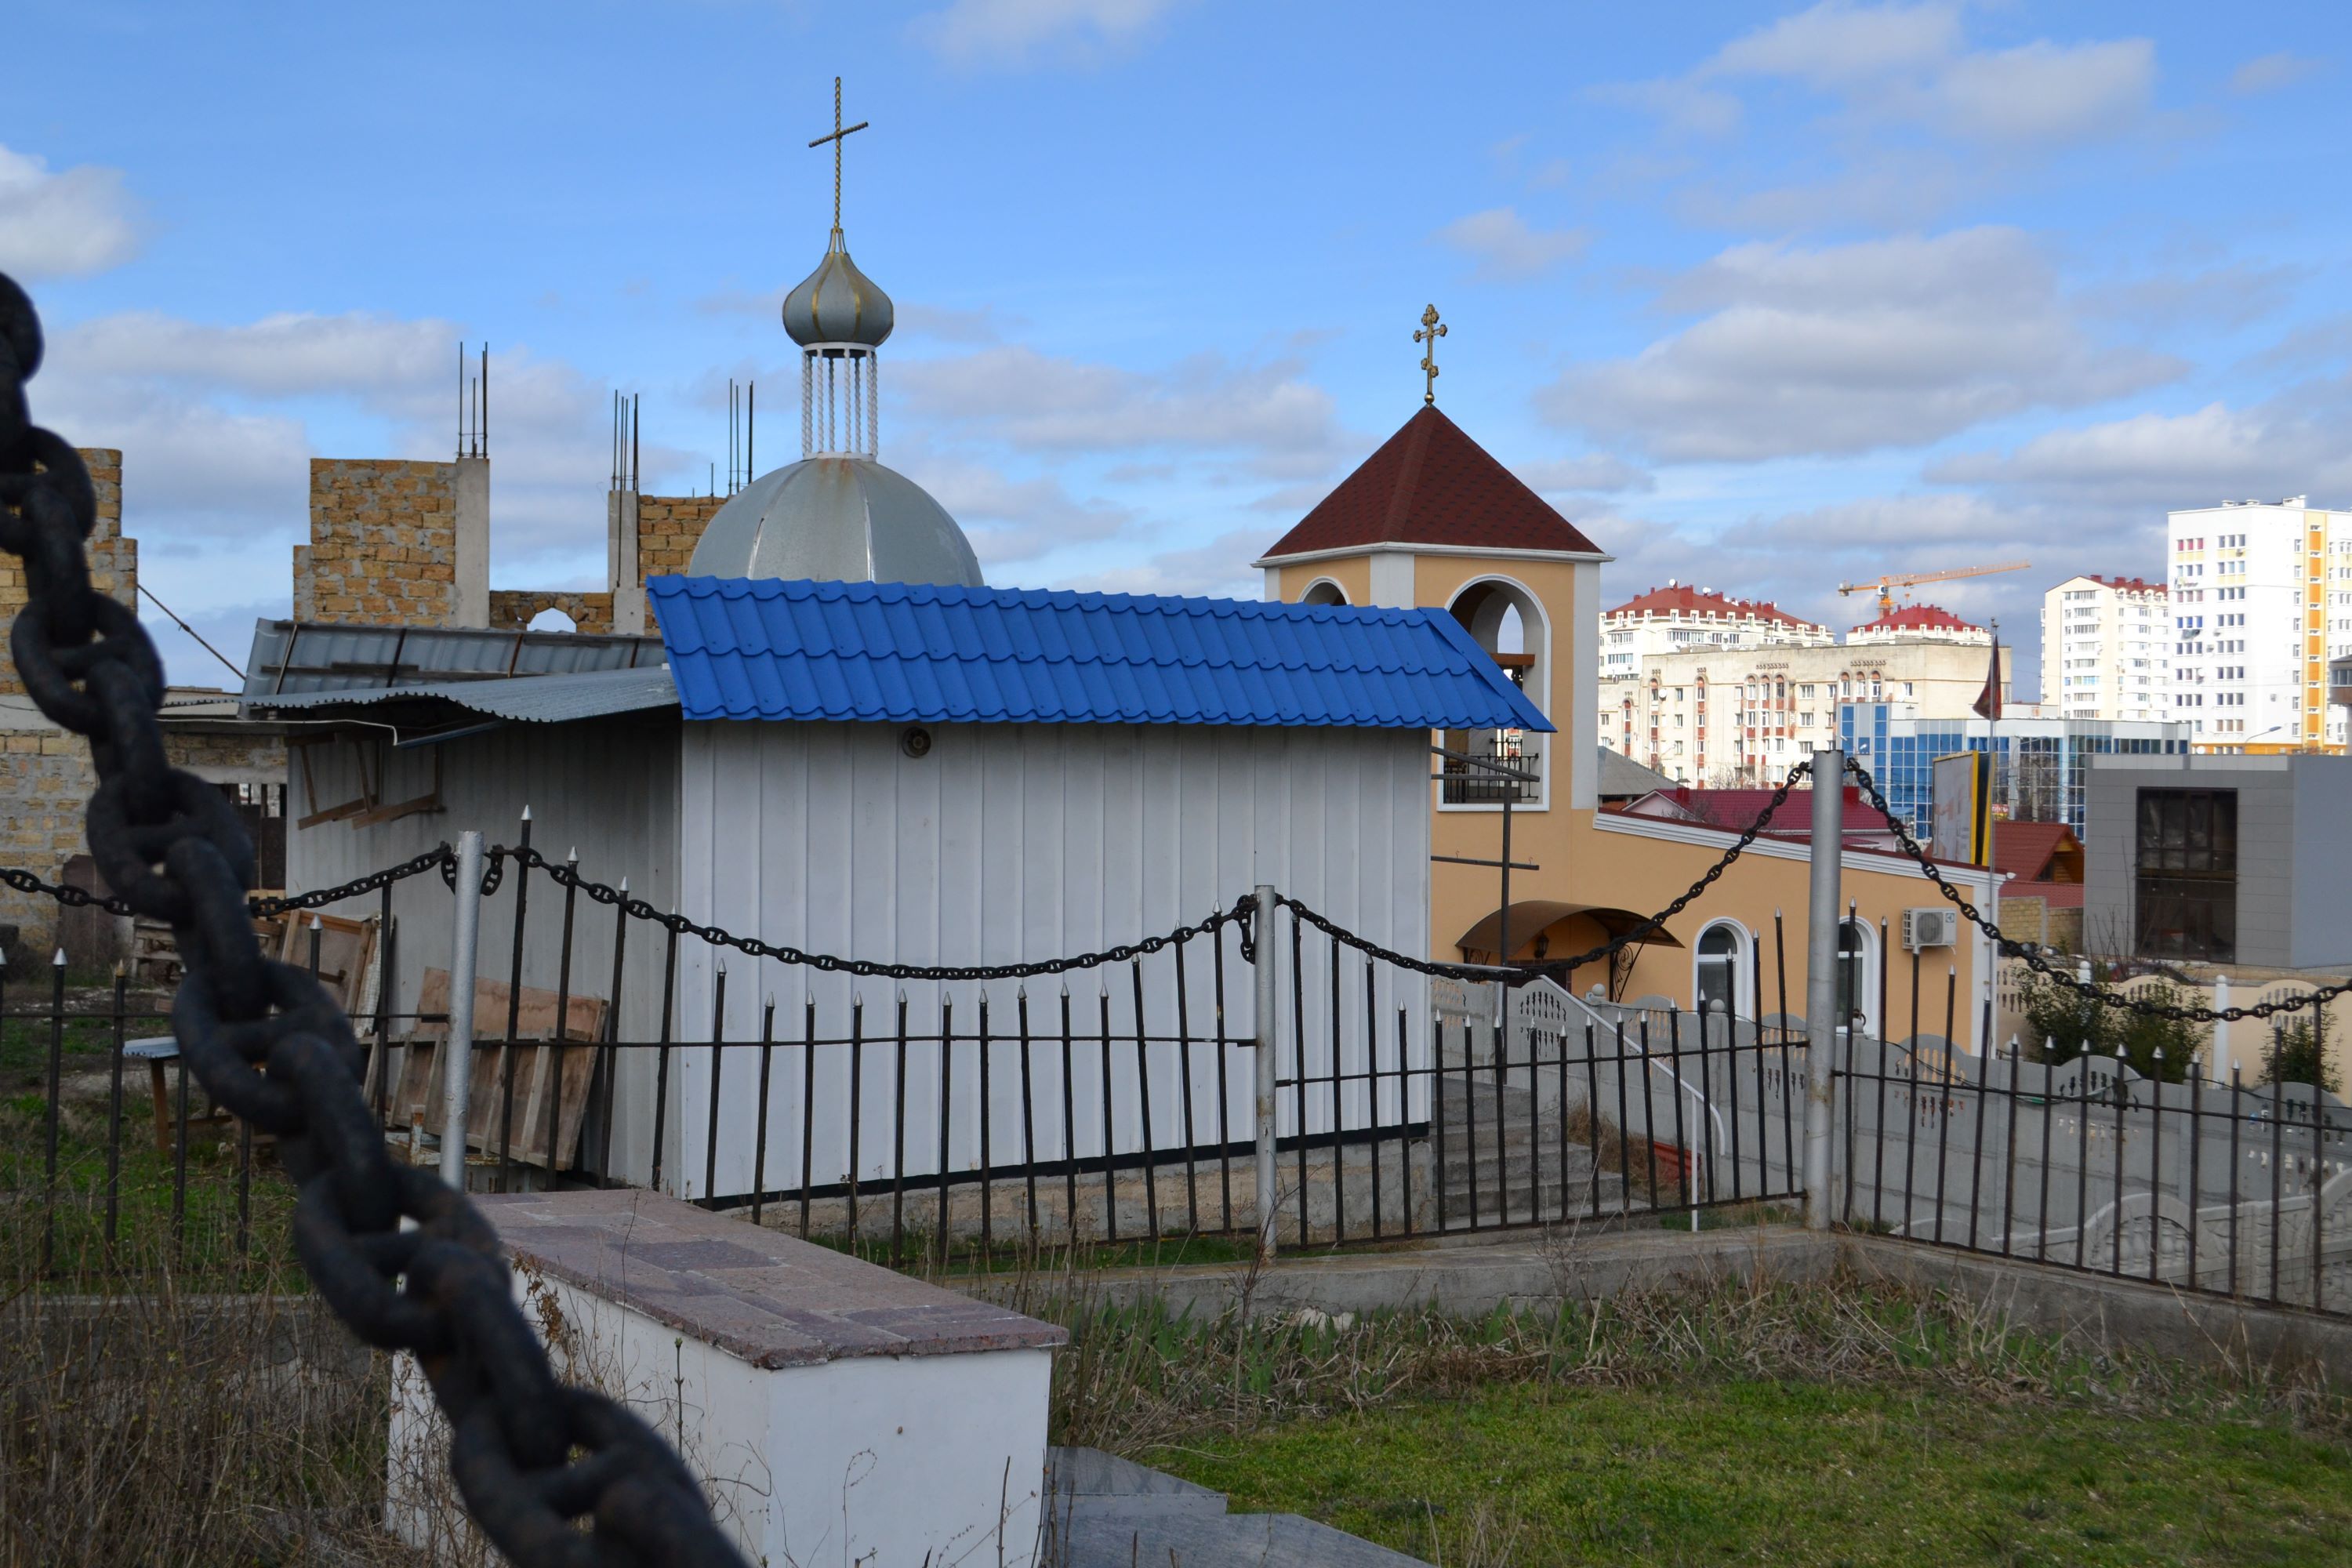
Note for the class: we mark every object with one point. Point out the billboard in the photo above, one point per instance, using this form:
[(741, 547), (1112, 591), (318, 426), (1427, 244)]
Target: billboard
[(1961, 816)]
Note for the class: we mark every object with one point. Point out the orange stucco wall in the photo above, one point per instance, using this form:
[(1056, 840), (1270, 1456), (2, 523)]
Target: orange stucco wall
[(1579, 862)]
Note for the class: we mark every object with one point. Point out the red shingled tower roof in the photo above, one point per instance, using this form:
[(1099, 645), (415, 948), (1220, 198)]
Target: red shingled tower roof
[(1430, 484)]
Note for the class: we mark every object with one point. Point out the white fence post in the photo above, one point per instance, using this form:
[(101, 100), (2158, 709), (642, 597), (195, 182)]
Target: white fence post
[(1262, 973), (1823, 908), (457, 1043), (2220, 1057)]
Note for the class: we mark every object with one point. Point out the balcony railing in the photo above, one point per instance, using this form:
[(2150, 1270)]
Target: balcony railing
[(1465, 782)]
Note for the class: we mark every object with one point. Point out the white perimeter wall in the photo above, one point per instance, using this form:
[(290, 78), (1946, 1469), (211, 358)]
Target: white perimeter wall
[(1016, 842)]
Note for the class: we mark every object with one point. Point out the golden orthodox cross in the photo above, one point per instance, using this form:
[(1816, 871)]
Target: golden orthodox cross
[(839, 132), (1431, 330)]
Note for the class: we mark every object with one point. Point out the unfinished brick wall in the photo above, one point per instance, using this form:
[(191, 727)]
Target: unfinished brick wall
[(46, 781), (113, 560), (668, 528), (511, 609), (383, 543)]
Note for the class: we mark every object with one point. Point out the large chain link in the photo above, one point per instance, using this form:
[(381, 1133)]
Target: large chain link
[(2058, 973), (566, 874), (1642, 931), (267, 1041)]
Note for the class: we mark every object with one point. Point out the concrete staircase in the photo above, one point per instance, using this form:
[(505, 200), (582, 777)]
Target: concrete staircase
[(1515, 1168), (1108, 1512)]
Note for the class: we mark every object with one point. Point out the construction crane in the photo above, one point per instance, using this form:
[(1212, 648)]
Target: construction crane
[(1884, 586)]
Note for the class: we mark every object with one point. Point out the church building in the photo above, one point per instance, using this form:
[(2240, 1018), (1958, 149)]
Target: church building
[(1431, 520), (844, 739)]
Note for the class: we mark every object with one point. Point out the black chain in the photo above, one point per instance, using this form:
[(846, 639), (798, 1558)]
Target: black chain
[(1640, 933), (567, 875), (443, 859), (2057, 972), (267, 1041)]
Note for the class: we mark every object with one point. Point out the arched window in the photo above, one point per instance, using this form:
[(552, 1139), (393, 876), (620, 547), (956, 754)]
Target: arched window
[(1721, 961), (1857, 984), (1323, 591), (552, 619)]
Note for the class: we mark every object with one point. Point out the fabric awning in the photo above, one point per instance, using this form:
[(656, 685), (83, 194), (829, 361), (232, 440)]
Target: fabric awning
[(1529, 916)]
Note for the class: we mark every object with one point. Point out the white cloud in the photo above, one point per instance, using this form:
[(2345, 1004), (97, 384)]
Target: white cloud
[(357, 354), (1910, 64), (1595, 474), (69, 223), (1845, 349), (1036, 402), (2045, 94), (217, 424), (973, 33), (1836, 46), (1219, 567), (1506, 249), (2269, 73), (1011, 521), (2288, 445)]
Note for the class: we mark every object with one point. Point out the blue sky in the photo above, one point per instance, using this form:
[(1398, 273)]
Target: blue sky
[(1762, 296)]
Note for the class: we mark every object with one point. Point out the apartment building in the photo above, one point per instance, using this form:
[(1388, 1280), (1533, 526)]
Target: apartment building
[(2038, 762), (1679, 618), (1743, 713), (2261, 595), (2106, 649)]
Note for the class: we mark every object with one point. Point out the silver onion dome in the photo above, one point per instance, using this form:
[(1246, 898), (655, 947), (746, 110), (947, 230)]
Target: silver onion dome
[(840, 520), (838, 304)]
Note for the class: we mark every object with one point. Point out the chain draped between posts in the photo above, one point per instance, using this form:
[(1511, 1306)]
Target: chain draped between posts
[(1640, 932), (567, 875), (441, 859), (267, 1041), (2057, 973)]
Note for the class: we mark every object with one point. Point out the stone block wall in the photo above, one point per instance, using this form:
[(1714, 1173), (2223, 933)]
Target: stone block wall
[(511, 609), (113, 560), (383, 543), (668, 528)]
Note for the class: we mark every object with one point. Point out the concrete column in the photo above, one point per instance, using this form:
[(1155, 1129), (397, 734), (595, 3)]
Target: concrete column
[(470, 604), (2217, 1064), (621, 573), (1823, 908)]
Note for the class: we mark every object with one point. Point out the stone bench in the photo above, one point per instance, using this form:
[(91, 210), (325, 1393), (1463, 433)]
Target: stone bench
[(835, 1411)]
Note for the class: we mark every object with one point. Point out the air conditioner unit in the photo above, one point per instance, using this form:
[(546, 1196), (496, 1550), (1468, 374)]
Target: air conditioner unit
[(1924, 929)]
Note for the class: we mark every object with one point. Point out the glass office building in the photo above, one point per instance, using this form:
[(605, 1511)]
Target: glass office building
[(2037, 764)]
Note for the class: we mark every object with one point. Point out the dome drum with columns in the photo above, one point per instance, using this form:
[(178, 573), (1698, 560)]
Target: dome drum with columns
[(838, 514)]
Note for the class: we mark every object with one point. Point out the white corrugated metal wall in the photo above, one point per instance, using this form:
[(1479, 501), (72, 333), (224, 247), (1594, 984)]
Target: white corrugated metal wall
[(1019, 842), (608, 787)]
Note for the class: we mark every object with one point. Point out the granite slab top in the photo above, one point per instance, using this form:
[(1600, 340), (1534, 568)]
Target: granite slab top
[(770, 1299)]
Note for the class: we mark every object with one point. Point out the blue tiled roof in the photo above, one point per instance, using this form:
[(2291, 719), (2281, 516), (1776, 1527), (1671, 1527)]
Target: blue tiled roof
[(902, 653)]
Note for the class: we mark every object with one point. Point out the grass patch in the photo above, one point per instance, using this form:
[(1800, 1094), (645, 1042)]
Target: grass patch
[(1838, 1424), (193, 1234)]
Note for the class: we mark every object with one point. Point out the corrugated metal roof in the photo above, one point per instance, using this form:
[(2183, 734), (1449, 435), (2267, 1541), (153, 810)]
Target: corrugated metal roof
[(534, 699), (899, 653), (303, 655)]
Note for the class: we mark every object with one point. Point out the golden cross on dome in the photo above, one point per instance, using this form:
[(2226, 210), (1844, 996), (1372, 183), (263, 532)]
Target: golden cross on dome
[(839, 132), (1432, 328)]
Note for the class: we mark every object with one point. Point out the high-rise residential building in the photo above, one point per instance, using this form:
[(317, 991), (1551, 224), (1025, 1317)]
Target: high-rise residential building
[(1679, 618), (2262, 599), (2106, 649)]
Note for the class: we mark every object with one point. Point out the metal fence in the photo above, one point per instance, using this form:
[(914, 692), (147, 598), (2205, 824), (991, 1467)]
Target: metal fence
[(1111, 1099)]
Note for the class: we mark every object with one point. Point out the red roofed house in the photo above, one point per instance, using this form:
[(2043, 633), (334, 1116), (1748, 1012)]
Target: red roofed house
[(2042, 899), (1432, 519), (1919, 623), (1679, 618)]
